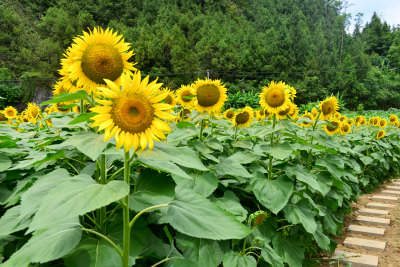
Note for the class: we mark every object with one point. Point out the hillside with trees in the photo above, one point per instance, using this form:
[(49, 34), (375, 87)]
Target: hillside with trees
[(244, 43)]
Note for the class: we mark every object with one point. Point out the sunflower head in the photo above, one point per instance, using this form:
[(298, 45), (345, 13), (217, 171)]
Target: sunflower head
[(275, 97), (133, 112), (33, 112), (380, 134), (294, 111), (333, 127), (95, 56), (171, 98), (183, 114), (243, 117), (285, 113), (328, 107), (363, 120), (376, 121), (308, 116), (10, 113), (383, 123), (229, 114), (314, 112), (185, 96), (291, 92), (2, 117), (392, 119), (345, 128), (210, 95)]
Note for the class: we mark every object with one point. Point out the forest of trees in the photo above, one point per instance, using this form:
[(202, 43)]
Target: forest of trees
[(244, 43)]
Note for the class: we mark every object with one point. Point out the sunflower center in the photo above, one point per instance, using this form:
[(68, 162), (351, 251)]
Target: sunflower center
[(208, 95), (242, 117), (229, 114), (186, 96), (334, 125), (132, 113), (275, 97), (327, 108), (102, 61), (168, 99), (262, 112)]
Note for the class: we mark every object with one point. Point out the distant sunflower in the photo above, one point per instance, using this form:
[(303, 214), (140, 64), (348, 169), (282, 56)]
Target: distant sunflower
[(243, 117), (294, 111), (171, 98), (2, 117), (97, 55), (33, 112), (308, 116), (371, 121), (343, 118), (291, 92), (357, 120), (185, 96), (210, 95), (10, 113), (345, 128), (337, 115), (229, 114), (333, 127), (328, 107), (380, 134), (392, 119), (376, 121), (383, 123), (132, 112), (60, 88), (183, 115), (275, 97), (285, 113), (363, 120), (261, 113)]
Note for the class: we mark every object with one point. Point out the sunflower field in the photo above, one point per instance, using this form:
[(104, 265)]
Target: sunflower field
[(120, 171)]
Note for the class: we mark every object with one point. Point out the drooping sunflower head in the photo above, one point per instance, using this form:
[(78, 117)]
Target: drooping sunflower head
[(345, 128), (171, 98), (97, 55), (376, 121), (185, 96), (383, 123), (229, 114), (275, 97), (243, 117), (333, 126), (210, 95), (380, 134), (392, 119), (133, 112), (10, 113), (328, 107)]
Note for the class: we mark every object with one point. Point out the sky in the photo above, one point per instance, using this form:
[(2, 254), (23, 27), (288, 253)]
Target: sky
[(387, 10)]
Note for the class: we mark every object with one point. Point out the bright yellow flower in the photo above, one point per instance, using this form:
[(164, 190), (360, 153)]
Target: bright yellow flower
[(243, 117), (392, 119), (171, 98), (185, 96), (229, 114), (275, 97), (383, 123), (132, 112), (376, 121), (328, 107), (345, 128), (333, 126), (210, 95), (10, 113), (308, 116), (33, 112), (380, 134)]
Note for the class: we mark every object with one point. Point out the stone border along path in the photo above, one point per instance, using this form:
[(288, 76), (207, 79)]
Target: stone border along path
[(374, 223)]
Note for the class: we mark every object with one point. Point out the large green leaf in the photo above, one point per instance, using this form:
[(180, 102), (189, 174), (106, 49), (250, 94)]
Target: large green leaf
[(67, 97), (300, 173), (89, 143), (281, 151), (291, 250), (201, 252), (301, 213), (47, 244), (194, 215), (231, 203), (164, 165), (322, 240), (234, 259), (204, 184), (12, 221), (93, 252), (5, 162), (270, 256), (76, 196), (152, 188), (272, 194), (230, 166)]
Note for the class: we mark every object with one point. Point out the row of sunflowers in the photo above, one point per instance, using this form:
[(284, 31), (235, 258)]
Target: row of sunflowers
[(194, 185)]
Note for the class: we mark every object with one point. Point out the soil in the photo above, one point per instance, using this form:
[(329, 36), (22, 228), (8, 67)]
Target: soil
[(388, 258)]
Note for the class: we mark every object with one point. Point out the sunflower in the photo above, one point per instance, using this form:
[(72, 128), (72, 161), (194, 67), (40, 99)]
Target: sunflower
[(371, 121), (376, 121), (380, 134), (185, 96), (294, 111), (186, 112), (345, 128), (357, 120), (210, 95), (383, 123), (2, 117), (291, 92), (243, 117), (33, 112), (314, 112), (10, 113), (275, 97), (363, 120), (328, 107), (171, 98), (333, 127), (229, 114), (133, 112), (337, 115), (343, 118), (60, 88), (96, 56), (60, 107), (392, 119), (307, 116), (261, 113)]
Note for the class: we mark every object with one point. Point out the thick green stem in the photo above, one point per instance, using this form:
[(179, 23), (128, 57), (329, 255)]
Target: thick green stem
[(201, 130), (82, 106), (103, 178), (272, 144), (235, 137), (311, 141), (127, 229)]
